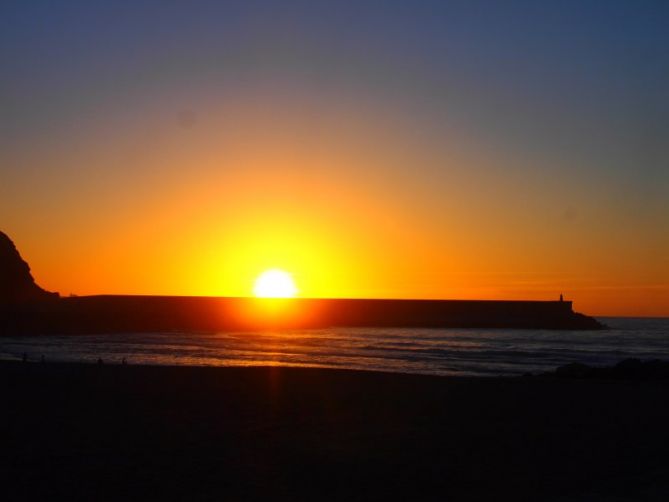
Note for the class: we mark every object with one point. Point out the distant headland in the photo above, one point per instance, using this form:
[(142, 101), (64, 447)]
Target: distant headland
[(17, 285), (25, 308)]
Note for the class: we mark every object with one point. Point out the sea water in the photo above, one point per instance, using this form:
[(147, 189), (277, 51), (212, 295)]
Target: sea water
[(472, 352)]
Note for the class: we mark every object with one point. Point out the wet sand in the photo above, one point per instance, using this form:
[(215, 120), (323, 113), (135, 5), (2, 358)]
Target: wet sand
[(89, 432)]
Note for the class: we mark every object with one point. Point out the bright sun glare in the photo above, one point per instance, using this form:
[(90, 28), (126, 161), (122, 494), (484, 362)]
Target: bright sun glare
[(275, 283)]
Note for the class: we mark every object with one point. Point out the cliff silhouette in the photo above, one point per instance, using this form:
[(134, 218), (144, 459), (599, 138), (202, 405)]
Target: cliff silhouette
[(17, 285)]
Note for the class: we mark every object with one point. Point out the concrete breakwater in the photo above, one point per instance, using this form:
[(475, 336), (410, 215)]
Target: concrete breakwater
[(108, 314)]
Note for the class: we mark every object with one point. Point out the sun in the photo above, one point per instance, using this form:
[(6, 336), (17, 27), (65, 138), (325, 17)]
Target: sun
[(275, 283)]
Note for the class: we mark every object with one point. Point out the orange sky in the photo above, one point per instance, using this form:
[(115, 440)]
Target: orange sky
[(423, 150), (327, 190)]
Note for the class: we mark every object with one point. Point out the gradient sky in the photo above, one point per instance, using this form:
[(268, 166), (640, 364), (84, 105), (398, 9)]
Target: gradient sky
[(434, 149)]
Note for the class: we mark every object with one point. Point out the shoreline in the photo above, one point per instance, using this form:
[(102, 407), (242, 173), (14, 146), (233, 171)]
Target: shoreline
[(112, 432), (627, 369)]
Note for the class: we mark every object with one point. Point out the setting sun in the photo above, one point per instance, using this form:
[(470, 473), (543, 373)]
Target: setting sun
[(275, 283)]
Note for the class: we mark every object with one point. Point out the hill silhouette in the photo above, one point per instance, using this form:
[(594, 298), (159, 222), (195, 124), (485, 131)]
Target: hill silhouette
[(17, 284)]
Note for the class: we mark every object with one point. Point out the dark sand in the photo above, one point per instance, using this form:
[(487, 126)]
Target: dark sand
[(88, 432)]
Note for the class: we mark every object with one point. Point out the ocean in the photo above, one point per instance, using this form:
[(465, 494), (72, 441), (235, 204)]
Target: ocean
[(466, 352)]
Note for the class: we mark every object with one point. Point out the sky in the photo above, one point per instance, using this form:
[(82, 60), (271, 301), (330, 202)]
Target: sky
[(394, 149)]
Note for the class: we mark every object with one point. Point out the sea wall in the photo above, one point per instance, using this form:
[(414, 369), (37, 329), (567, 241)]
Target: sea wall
[(108, 314)]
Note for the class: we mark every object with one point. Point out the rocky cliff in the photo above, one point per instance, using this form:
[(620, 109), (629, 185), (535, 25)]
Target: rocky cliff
[(17, 285)]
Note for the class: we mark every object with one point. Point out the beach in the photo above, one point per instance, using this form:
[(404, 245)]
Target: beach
[(349, 251), (112, 432)]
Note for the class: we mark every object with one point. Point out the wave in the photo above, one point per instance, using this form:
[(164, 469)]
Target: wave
[(472, 352)]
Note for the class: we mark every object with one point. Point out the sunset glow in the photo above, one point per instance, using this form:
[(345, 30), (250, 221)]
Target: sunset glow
[(367, 164), (298, 249), (275, 284)]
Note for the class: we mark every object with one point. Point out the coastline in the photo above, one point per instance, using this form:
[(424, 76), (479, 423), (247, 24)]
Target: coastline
[(82, 431)]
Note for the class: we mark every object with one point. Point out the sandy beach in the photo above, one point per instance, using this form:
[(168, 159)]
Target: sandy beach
[(103, 432)]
